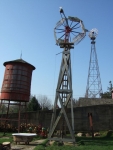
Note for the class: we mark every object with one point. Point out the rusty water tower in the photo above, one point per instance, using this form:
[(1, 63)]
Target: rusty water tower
[(16, 85)]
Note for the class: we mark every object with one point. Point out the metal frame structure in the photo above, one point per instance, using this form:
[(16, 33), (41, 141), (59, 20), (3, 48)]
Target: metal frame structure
[(68, 31), (94, 87)]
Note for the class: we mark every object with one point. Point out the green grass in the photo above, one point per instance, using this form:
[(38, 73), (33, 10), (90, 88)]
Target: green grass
[(40, 147), (6, 138), (104, 142), (6, 134)]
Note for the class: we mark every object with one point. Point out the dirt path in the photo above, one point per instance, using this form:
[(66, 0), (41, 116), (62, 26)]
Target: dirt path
[(22, 145)]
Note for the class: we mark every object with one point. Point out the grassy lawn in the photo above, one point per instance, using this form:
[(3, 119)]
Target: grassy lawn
[(75, 148), (5, 138), (82, 144), (104, 142)]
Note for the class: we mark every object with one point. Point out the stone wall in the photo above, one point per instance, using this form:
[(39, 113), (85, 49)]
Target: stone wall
[(102, 114), (94, 101)]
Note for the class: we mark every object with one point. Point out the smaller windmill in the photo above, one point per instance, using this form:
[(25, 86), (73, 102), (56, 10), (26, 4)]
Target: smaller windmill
[(94, 87), (68, 31)]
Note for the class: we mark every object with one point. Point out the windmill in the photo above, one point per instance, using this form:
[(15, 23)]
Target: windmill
[(68, 31), (94, 87)]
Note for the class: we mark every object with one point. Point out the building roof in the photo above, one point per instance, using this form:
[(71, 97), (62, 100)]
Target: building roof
[(18, 61)]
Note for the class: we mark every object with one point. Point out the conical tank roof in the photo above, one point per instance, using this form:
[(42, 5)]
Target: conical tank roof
[(18, 61)]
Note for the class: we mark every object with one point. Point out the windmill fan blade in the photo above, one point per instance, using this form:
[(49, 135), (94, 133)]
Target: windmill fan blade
[(60, 22), (82, 26), (55, 37), (74, 19), (78, 38)]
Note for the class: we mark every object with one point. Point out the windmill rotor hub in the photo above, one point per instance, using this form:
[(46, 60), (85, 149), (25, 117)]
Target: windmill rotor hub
[(67, 29), (93, 34)]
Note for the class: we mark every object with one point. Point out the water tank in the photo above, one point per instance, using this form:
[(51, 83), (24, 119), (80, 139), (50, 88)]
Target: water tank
[(17, 80)]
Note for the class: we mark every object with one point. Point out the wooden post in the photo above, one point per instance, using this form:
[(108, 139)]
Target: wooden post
[(91, 124), (6, 117), (19, 117), (26, 114)]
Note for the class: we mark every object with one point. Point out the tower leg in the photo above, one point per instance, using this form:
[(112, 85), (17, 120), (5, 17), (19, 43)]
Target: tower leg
[(19, 118), (6, 117), (26, 113)]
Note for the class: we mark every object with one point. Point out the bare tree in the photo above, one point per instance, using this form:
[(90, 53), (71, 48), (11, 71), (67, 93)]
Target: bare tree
[(44, 102)]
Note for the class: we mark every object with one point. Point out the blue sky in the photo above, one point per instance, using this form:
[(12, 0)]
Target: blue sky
[(27, 26)]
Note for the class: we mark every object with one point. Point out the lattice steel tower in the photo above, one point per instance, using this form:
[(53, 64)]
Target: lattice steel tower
[(68, 31), (94, 87)]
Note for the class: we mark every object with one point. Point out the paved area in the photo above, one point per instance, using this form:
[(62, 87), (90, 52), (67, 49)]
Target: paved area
[(22, 145)]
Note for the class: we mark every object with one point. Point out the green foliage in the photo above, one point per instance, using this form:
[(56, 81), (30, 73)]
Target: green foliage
[(107, 94), (33, 105), (110, 86)]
